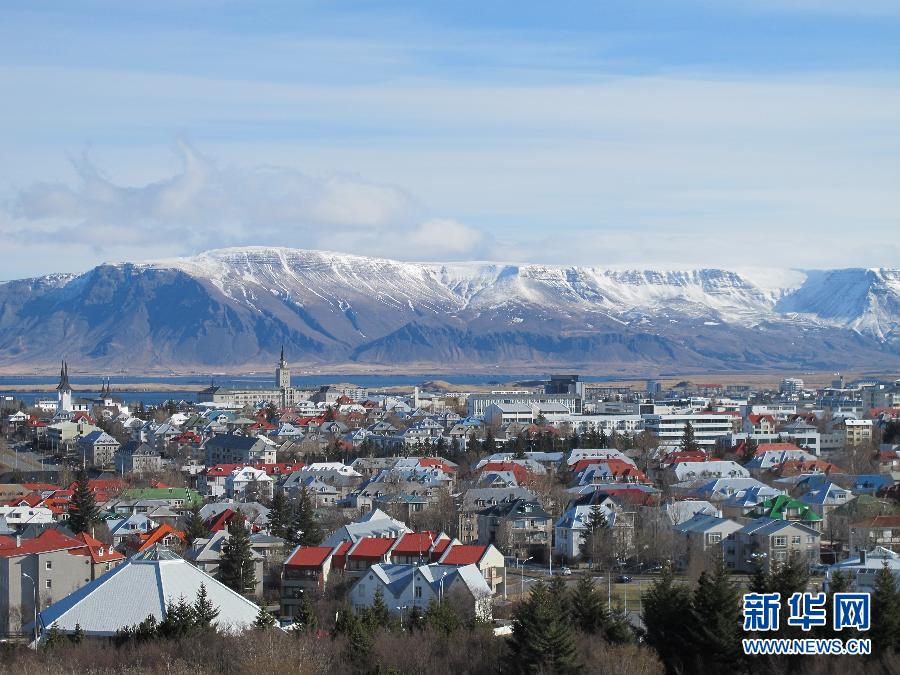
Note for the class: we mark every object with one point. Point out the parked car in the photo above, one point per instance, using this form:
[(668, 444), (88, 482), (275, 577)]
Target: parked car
[(623, 579), (565, 571)]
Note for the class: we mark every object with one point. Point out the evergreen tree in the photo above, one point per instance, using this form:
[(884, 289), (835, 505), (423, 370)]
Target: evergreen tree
[(378, 615), (83, 511), (602, 440), (789, 578), (441, 616), (280, 516), (840, 582), (179, 621), (305, 616), (236, 565), (541, 642), (263, 620), (596, 539), (667, 610), (78, 634), (195, 528), (204, 611), (54, 637), (588, 607), (559, 598), (717, 619), (885, 619), (305, 529), (688, 441)]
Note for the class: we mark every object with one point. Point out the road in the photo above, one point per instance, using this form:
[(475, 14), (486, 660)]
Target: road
[(19, 456)]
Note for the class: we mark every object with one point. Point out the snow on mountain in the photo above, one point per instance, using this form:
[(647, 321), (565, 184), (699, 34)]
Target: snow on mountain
[(237, 305)]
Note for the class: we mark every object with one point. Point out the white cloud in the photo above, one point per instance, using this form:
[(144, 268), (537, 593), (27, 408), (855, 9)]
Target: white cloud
[(208, 205)]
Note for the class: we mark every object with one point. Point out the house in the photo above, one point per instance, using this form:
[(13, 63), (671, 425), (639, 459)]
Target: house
[(783, 507), (705, 532), (476, 500), (367, 552), (489, 561), (150, 581), (826, 497), (98, 448), (235, 449), (683, 471), (406, 586), (767, 542), (136, 457), (864, 569), (306, 570), (520, 527), (206, 553), (374, 524), (248, 484), (881, 531), (56, 564)]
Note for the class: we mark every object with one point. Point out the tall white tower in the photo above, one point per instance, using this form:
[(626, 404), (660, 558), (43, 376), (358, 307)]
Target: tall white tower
[(282, 373), (64, 390)]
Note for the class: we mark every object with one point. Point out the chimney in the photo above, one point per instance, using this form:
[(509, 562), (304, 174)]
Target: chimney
[(862, 556)]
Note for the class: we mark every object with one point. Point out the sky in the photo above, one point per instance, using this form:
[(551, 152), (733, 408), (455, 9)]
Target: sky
[(697, 133)]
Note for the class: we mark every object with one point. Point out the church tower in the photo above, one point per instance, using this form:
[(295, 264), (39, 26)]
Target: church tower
[(64, 390), (282, 373)]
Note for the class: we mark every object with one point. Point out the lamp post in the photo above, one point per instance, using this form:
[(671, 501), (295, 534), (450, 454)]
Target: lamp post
[(441, 596), (34, 589), (522, 574), (400, 609)]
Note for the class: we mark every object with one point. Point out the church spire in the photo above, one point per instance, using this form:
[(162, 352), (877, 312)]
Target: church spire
[(64, 377)]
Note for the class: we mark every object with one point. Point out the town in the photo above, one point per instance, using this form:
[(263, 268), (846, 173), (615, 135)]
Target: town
[(542, 528)]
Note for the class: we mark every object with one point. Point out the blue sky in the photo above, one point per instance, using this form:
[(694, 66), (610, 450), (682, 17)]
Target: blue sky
[(613, 134)]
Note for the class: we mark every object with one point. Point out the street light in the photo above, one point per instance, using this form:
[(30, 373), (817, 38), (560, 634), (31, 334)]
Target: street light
[(521, 567), (400, 609), (34, 588), (441, 600)]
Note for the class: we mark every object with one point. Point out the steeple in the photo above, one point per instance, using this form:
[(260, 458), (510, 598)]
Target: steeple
[(282, 362), (64, 378)]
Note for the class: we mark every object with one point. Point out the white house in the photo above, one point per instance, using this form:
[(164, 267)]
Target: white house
[(248, 482), (408, 586)]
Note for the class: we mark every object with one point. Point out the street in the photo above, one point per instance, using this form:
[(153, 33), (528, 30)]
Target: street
[(18, 456)]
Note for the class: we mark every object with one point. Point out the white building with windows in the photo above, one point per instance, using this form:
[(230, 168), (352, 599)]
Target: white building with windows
[(708, 427)]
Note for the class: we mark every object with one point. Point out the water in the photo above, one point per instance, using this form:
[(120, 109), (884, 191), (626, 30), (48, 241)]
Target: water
[(89, 386)]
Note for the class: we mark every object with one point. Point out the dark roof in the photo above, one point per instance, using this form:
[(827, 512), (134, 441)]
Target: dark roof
[(520, 507), (233, 442)]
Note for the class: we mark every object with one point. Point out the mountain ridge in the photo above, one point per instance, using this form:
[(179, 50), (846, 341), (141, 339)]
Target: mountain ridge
[(235, 306)]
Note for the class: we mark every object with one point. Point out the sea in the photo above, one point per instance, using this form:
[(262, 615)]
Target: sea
[(88, 385)]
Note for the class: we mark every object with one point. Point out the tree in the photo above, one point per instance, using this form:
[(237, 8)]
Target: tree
[(441, 616), (204, 611), (588, 610), (717, 620), (179, 621), (78, 635), (195, 528), (263, 620), (688, 442), (378, 615), (280, 516), (667, 610), (541, 640), (236, 566), (305, 616), (305, 530), (885, 630), (597, 536), (83, 511)]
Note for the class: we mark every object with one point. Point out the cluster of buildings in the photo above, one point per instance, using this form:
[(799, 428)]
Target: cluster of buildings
[(429, 498)]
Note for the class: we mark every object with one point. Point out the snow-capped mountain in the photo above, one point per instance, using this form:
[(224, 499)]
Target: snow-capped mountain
[(233, 308)]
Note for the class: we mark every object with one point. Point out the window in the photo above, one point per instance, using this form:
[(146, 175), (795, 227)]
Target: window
[(48, 565), (779, 541), (715, 538), (795, 539), (48, 583), (810, 539), (418, 591)]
